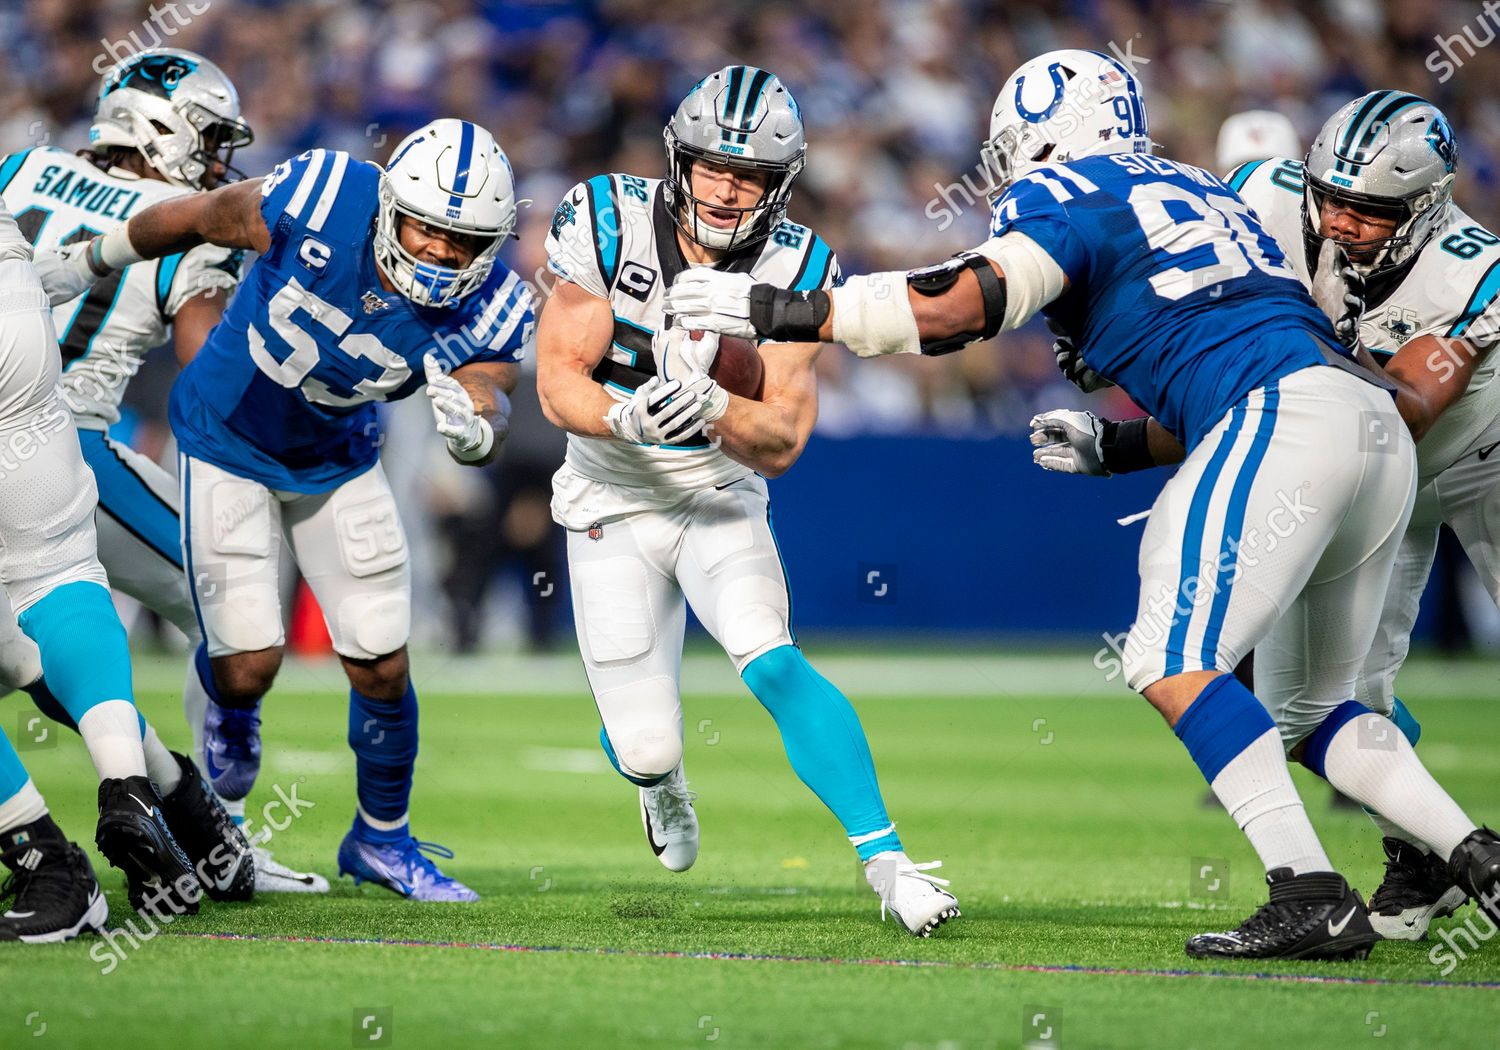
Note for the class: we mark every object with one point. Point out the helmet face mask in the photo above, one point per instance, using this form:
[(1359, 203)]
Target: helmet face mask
[(452, 176), (741, 119), (1386, 155), (178, 110)]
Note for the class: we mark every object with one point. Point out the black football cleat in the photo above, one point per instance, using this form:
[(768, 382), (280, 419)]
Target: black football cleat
[(133, 836), (1311, 916), (215, 845), (1475, 866), (56, 896), (1416, 889)]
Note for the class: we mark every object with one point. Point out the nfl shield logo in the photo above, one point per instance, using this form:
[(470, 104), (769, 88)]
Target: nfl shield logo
[(373, 302), (596, 531)]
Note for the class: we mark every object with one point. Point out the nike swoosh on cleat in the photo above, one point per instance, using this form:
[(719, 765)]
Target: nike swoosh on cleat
[(1334, 929), (225, 881), (19, 914), (651, 837), (149, 811)]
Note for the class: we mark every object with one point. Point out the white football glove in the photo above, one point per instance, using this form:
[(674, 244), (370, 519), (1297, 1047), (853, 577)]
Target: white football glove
[(657, 413), (680, 356), (1069, 442), (65, 273), (469, 435), (714, 300), (1071, 363), (1339, 290)]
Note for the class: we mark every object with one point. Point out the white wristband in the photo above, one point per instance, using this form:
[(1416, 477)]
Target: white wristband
[(114, 249), (872, 315), (479, 451)]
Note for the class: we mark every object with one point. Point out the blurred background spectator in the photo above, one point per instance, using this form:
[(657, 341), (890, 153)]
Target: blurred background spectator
[(896, 96)]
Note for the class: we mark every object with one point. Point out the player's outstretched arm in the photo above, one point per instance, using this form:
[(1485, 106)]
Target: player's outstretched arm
[(1430, 374), (471, 406), (935, 310), (572, 336), (229, 217)]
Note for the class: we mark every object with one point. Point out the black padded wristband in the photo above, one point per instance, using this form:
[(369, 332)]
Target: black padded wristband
[(788, 317), (1124, 448)]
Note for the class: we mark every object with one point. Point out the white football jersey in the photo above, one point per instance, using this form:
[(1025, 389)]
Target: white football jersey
[(1451, 291), (60, 198), (613, 236)]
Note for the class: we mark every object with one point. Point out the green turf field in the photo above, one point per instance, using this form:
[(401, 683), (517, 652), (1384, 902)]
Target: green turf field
[(1067, 816)]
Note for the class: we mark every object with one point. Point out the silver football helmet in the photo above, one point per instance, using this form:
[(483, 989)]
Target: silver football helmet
[(740, 117), (178, 109), (1387, 152)]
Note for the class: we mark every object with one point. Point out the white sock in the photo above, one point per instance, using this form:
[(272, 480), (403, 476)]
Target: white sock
[(195, 706), (23, 807), (383, 825), (112, 733), (1370, 760), (1391, 830), (1256, 788), (161, 767)]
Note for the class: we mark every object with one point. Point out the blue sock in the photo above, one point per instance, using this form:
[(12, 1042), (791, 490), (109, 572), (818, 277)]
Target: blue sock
[(1406, 722), (13, 775), (50, 706), (205, 669), (1219, 725), (825, 744), (85, 654), (383, 734), (614, 760)]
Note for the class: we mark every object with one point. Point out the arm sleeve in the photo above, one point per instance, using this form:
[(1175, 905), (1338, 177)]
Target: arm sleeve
[(574, 240), (1036, 206)]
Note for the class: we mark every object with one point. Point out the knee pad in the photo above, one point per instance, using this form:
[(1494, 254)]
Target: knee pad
[(753, 618), (371, 625), (238, 618), (644, 724)]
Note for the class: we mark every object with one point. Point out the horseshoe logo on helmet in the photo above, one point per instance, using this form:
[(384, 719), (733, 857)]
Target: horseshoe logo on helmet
[(1037, 116)]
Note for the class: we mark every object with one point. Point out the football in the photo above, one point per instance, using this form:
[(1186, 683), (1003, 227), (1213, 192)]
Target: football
[(738, 368)]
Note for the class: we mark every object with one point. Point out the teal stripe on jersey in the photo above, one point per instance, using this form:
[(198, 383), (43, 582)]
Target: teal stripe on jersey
[(11, 166), (1239, 176), (1484, 294), (166, 273), (816, 268), (606, 226)]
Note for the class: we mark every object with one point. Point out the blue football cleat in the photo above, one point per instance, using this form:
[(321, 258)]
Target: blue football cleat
[(231, 749), (400, 867)]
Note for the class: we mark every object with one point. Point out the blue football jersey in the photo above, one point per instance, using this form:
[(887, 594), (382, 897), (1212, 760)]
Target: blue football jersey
[(1176, 292), (284, 389)]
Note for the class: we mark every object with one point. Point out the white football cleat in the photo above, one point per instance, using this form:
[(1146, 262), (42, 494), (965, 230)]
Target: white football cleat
[(908, 892), (272, 877), (670, 823)]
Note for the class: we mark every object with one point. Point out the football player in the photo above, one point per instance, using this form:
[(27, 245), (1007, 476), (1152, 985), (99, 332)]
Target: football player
[(1379, 182), (369, 282), (54, 581), (54, 895), (166, 123), (1170, 287), (661, 511)]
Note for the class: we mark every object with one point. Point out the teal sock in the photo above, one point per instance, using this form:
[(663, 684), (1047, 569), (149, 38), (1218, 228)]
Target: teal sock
[(825, 744)]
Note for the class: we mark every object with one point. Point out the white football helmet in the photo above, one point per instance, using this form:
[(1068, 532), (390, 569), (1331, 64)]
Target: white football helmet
[(1255, 134), (1061, 106), (178, 109), (454, 175)]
